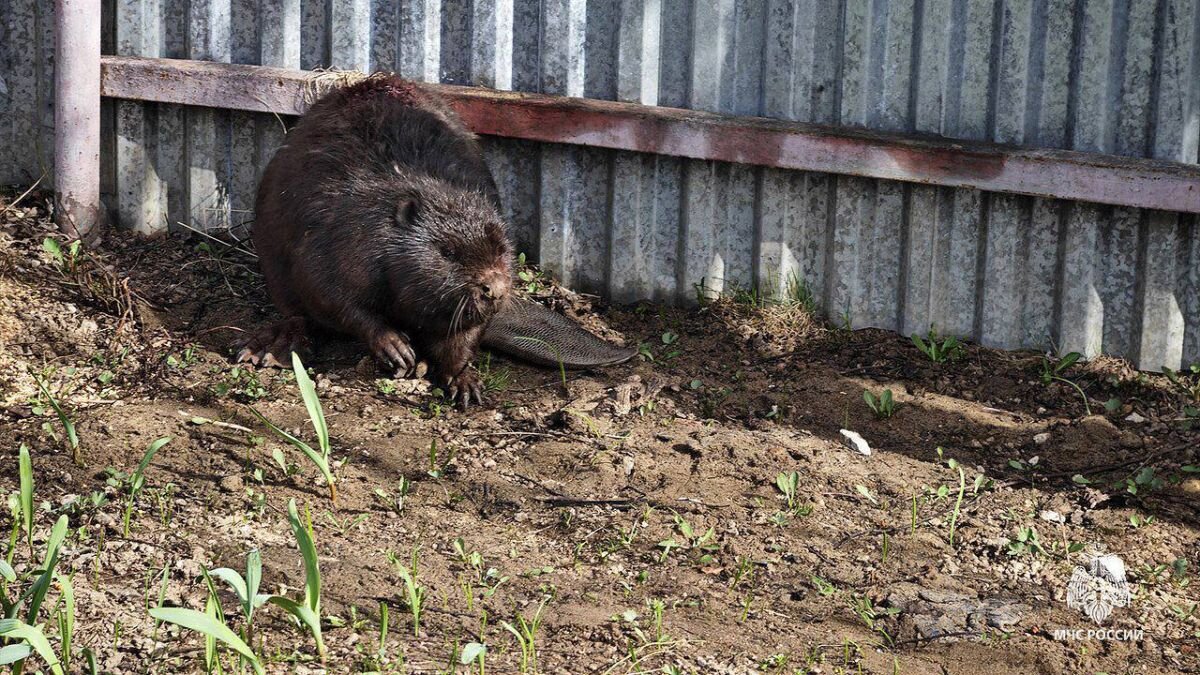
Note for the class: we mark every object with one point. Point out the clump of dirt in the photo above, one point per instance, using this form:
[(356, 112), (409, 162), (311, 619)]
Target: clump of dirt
[(695, 510)]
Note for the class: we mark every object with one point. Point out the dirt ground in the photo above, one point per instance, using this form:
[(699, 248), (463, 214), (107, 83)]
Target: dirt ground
[(642, 504)]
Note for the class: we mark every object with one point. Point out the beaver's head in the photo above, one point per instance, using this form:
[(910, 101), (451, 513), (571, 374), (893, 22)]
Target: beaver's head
[(459, 246)]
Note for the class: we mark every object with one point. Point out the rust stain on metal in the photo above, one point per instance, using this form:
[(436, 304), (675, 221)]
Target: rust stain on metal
[(1061, 174)]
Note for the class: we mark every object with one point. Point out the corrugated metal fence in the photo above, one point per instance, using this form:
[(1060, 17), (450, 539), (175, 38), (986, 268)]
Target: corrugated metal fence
[(1113, 76)]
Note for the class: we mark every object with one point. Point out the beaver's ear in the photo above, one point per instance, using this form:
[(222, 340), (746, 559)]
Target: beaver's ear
[(406, 211)]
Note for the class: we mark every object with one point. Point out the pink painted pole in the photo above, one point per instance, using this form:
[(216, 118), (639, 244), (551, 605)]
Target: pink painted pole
[(77, 116)]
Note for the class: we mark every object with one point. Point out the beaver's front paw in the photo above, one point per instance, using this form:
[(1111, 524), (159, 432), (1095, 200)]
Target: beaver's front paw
[(464, 388), (394, 352)]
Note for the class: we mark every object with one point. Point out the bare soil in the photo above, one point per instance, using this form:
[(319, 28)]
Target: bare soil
[(651, 482)]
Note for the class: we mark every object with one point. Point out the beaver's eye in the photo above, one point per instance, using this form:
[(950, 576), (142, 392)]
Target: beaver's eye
[(448, 252)]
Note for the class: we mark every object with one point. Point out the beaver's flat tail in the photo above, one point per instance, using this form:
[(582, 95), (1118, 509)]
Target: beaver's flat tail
[(528, 331)]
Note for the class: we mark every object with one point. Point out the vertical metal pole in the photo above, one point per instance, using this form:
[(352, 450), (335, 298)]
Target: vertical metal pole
[(77, 116)]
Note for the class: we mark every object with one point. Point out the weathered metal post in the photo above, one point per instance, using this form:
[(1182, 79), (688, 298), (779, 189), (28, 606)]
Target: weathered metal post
[(77, 116)]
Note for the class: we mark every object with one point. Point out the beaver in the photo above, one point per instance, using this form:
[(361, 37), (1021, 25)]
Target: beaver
[(378, 218)]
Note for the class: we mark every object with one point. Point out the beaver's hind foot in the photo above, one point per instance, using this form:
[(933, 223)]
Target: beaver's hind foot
[(271, 346)]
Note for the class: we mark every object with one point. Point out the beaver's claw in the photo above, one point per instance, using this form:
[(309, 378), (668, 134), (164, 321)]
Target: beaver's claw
[(394, 351), (272, 346), (465, 388)]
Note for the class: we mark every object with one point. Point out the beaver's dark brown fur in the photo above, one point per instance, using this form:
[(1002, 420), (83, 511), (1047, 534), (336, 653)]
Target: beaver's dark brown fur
[(379, 219)]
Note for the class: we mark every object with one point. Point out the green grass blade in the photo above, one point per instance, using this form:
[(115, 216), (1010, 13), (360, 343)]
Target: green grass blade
[(253, 581), (66, 620), (6, 571), (14, 653), (68, 425), (310, 619), (315, 457), (312, 572), (308, 391), (26, 471), (212, 608), (138, 479), (35, 638), (206, 625), (37, 592), (234, 580)]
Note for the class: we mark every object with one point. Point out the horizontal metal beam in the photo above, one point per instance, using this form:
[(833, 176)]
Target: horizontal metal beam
[(1061, 174)]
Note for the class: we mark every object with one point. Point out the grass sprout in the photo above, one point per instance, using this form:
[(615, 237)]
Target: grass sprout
[(320, 458)]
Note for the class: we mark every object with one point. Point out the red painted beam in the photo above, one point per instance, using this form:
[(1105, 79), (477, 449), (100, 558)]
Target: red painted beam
[(1062, 174)]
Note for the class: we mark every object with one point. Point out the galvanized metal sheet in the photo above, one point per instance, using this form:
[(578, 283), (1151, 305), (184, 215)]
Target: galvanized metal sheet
[(1106, 75)]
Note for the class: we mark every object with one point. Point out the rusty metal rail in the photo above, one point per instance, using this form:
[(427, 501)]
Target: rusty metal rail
[(1062, 174)]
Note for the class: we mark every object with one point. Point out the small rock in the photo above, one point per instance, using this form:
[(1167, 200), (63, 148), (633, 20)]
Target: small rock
[(856, 442), (232, 483), (1004, 615), (942, 596), (1052, 517), (1130, 440), (1135, 418), (1191, 487), (1042, 438)]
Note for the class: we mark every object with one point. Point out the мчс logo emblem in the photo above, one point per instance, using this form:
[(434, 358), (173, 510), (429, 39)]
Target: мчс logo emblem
[(1098, 588)]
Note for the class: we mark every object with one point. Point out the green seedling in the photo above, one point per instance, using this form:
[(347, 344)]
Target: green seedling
[(962, 488), (137, 480), (37, 581), (691, 540), (745, 568), (212, 607), (25, 469), (346, 524), (823, 587), (245, 588), (395, 500), (383, 628), (437, 469), (68, 258), (789, 484), (883, 405), (308, 391), (1139, 521), (525, 631), (35, 641), (473, 652), (72, 438), (1053, 372), (494, 378), (1186, 381), (13, 653), (533, 278), (1027, 541), (308, 612), (210, 627), (65, 617), (281, 460), (871, 615), (938, 350), (1145, 480), (414, 592), (865, 492)]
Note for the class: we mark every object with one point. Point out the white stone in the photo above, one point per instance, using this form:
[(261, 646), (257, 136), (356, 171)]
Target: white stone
[(856, 442)]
